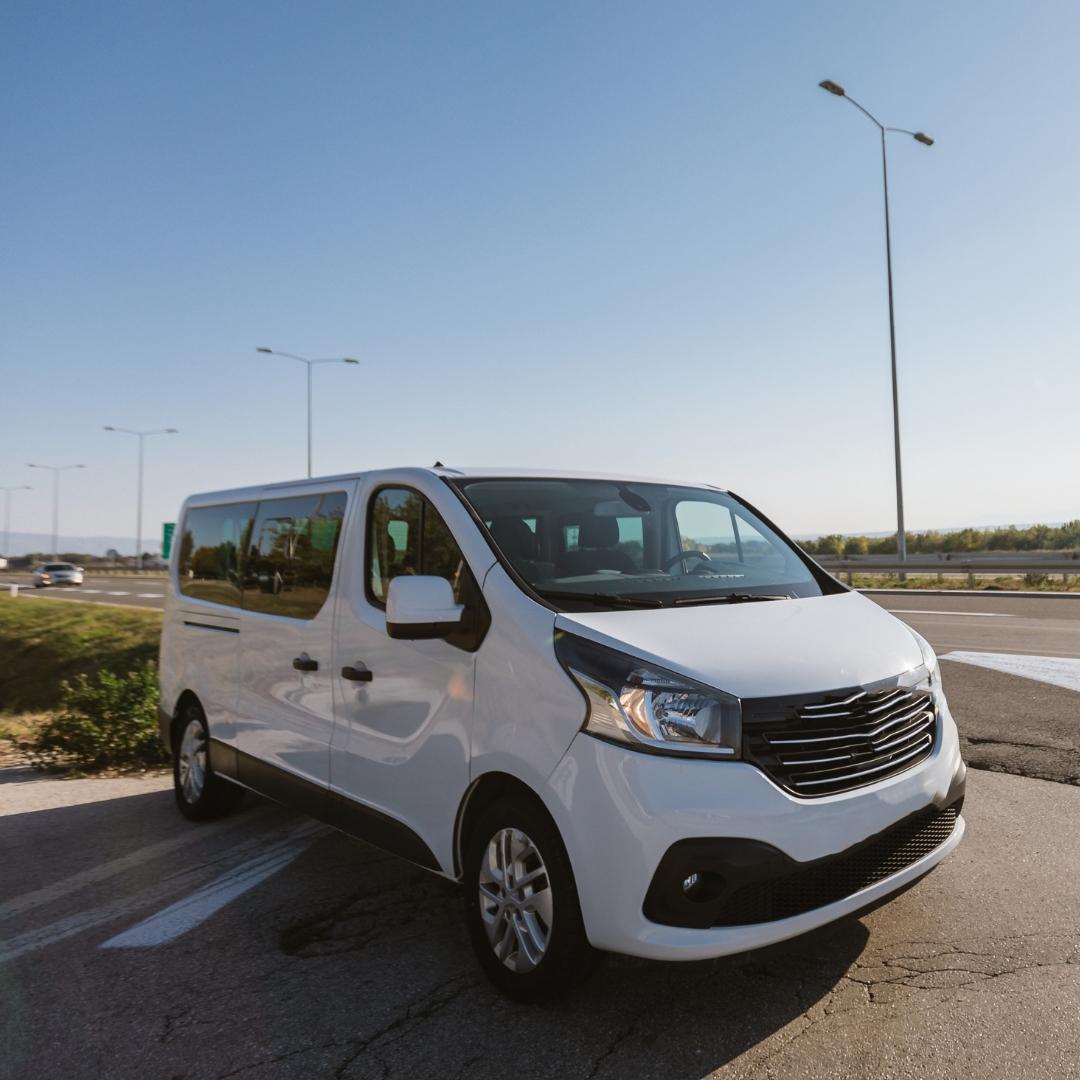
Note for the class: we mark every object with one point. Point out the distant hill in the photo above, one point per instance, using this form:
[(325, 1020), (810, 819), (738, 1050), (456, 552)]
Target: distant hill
[(28, 543)]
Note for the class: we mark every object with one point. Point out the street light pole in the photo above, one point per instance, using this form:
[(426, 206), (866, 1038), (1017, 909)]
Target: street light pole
[(56, 471), (141, 436), (7, 513), (920, 137), (310, 364)]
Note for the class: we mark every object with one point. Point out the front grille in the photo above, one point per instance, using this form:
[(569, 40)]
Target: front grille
[(840, 742), (838, 876)]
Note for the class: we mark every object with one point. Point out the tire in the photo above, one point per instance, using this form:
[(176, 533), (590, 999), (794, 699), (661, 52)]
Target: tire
[(200, 794), (534, 947)]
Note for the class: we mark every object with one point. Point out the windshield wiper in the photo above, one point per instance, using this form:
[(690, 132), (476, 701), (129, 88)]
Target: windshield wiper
[(601, 599), (727, 598)]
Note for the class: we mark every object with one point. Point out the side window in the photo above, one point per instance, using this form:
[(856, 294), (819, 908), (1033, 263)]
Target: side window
[(407, 535), (757, 550), (728, 537), (393, 545), (290, 559), (212, 543), (708, 527)]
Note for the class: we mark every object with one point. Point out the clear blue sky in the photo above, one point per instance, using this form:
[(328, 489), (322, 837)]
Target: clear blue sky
[(593, 235)]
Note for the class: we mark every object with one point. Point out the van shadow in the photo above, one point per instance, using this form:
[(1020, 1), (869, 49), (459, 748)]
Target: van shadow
[(683, 1021), (399, 942)]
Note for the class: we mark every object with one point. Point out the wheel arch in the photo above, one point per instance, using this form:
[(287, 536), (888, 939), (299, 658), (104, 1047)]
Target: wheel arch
[(486, 789), (187, 697)]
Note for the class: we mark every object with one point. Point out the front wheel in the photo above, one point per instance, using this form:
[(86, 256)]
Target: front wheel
[(521, 903), (200, 794)]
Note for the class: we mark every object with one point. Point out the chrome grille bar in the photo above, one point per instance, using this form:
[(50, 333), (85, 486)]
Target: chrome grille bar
[(827, 746)]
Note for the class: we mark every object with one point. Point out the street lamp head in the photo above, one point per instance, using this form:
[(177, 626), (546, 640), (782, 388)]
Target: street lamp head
[(263, 348), (921, 136), (108, 427), (172, 431), (350, 360), (833, 88)]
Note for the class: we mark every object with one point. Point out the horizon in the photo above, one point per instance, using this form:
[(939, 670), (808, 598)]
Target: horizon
[(96, 546)]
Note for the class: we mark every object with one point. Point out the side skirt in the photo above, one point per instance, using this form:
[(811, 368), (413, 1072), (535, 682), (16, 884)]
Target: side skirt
[(348, 815)]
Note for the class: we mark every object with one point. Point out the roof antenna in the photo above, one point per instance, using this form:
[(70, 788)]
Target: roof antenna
[(438, 465)]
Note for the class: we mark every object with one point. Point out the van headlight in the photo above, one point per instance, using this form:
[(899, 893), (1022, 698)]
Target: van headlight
[(645, 707), (932, 679)]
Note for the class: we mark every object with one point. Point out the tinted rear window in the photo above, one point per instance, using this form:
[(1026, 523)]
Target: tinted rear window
[(211, 544), (290, 561)]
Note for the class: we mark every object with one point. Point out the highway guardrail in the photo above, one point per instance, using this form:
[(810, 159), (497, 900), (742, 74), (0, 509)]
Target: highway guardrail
[(951, 565)]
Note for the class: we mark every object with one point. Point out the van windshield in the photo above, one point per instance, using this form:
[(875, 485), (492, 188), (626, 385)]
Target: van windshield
[(593, 544)]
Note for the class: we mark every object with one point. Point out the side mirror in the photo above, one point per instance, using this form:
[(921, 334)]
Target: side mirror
[(421, 607)]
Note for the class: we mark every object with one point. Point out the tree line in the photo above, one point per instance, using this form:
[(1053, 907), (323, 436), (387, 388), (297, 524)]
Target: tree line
[(1004, 538)]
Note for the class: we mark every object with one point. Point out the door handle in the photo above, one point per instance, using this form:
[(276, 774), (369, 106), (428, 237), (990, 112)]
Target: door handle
[(357, 673), (304, 663)]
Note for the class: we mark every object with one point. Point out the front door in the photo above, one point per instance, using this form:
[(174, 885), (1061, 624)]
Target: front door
[(286, 692), (400, 761)]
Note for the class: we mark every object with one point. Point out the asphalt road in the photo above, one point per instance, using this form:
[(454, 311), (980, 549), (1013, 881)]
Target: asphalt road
[(125, 590), (347, 963)]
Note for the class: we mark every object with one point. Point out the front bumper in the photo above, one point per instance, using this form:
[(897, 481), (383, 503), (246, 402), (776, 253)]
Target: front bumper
[(621, 812)]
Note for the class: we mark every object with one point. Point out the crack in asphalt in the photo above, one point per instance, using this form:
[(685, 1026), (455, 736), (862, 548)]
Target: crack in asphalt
[(1012, 769), (913, 970), (416, 1013), (987, 740), (418, 902)]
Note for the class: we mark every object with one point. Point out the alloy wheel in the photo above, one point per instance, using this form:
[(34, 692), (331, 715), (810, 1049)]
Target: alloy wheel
[(515, 900), (191, 761)]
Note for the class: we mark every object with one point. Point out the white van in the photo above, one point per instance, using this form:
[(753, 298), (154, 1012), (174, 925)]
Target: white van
[(626, 715)]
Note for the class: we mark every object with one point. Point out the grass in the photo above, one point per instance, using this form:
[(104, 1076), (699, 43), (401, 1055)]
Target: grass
[(1012, 583), (43, 642)]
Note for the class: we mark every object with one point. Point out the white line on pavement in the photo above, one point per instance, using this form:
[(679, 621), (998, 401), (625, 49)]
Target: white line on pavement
[(103, 871), (965, 614), (188, 913), (150, 595), (118, 592), (80, 921), (90, 592), (1055, 670)]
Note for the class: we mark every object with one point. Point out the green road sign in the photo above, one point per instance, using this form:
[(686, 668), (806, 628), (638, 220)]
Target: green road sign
[(167, 530)]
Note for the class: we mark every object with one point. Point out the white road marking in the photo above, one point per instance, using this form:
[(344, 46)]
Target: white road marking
[(965, 614), (150, 595), (91, 592), (1055, 670), (186, 914), (80, 921), (118, 592), (103, 871)]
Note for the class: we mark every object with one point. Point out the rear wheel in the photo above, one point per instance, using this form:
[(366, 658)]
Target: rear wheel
[(200, 794), (521, 902)]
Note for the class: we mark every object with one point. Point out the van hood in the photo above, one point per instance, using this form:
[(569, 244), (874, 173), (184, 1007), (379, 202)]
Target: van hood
[(809, 645)]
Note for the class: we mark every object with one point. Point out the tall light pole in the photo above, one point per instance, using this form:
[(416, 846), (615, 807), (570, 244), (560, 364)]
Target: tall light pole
[(141, 436), (56, 471), (920, 137), (310, 364), (7, 513)]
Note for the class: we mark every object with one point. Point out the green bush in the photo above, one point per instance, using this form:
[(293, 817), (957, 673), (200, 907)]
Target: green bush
[(106, 722)]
